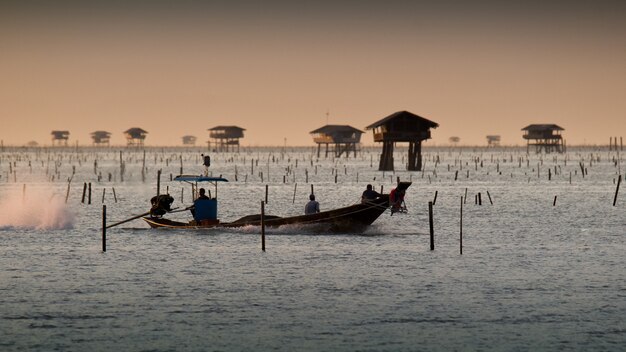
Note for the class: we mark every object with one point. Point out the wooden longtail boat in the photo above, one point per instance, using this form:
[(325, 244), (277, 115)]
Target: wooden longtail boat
[(353, 218)]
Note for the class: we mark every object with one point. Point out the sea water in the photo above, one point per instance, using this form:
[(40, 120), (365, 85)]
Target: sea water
[(534, 274)]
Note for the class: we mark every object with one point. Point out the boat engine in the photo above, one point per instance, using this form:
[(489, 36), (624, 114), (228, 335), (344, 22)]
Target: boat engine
[(161, 204)]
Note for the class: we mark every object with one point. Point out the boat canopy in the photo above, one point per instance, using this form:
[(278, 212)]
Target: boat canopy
[(194, 178)]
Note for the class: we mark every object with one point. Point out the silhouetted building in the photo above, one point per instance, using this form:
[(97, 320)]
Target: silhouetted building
[(454, 140), (493, 141), (60, 138), (546, 137), (402, 126), (189, 140), (225, 136), (343, 138), (101, 138), (135, 137)]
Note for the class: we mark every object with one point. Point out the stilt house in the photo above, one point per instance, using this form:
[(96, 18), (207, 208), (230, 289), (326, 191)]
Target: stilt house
[(546, 137), (225, 136), (101, 138), (343, 138), (60, 138), (135, 137), (402, 126), (493, 141), (189, 140)]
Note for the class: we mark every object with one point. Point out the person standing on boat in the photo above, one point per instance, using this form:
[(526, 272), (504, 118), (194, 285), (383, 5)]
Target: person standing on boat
[(369, 194), (396, 200), (312, 206)]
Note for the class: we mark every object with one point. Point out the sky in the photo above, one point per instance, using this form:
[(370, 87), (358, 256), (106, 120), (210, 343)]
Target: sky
[(281, 69)]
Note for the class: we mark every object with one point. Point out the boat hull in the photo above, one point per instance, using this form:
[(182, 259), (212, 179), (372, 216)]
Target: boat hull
[(353, 218)]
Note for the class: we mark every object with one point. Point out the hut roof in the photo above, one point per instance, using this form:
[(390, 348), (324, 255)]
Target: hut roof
[(543, 127), (101, 134), (335, 128), (189, 137), (135, 130), (56, 133), (220, 128), (403, 114)]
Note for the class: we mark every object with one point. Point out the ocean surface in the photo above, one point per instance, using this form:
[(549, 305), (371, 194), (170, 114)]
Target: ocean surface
[(535, 273)]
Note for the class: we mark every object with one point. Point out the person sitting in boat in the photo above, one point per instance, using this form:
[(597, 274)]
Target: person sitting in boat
[(312, 206), (396, 200), (200, 206), (202, 195), (369, 194)]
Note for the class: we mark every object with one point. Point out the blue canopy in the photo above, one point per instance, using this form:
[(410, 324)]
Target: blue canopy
[(193, 178)]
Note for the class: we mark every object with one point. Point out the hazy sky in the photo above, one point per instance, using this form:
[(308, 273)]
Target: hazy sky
[(276, 68)]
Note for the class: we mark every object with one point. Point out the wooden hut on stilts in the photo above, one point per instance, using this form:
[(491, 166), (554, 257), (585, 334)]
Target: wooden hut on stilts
[(402, 126), (493, 141), (189, 141), (546, 137), (343, 138), (60, 138), (225, 136), (135, 137), (101, 138)]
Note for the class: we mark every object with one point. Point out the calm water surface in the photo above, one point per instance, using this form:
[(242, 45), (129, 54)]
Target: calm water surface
[(532, 276)]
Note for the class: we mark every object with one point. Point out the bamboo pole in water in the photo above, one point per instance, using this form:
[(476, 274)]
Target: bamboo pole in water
[(619, 181), (263, 226), (431, 226), (104, 228)]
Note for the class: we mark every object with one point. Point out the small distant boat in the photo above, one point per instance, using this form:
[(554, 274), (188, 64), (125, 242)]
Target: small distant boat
[(352, 218)]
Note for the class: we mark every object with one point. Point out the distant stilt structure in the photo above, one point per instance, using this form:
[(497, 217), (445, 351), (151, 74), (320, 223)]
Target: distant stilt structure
[(101, 138), (135, 137), (493, 141), (344, 138), (224, 137), (402, 126), (60, 138), (189, 141), (546, 137)]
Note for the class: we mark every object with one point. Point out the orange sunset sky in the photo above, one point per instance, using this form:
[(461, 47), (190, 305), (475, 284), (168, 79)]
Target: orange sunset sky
[(275, 68)]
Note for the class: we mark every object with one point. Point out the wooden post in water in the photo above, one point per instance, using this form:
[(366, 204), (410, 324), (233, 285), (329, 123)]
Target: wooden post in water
[(263, 226), (295, 187), (104, 190), (67, 194), (312, 189), (104, 227), (480, 200), (24, 193), (158, 182), (435, 199), (461, 229), (89, 194), (619, 180), (489, 195), (430, 223), (266, 192), (554, 202), (84, 191)]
